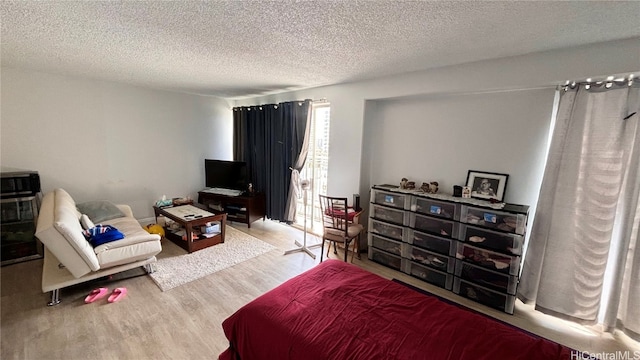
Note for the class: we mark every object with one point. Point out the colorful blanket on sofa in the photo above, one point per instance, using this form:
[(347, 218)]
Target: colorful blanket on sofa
[(101, 234)]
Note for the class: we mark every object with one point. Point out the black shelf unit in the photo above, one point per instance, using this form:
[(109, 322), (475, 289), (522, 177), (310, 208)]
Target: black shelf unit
[(19, 207), (244, 209)]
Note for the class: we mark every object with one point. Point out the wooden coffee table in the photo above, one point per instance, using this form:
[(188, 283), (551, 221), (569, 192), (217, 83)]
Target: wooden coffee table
[(190, 217)]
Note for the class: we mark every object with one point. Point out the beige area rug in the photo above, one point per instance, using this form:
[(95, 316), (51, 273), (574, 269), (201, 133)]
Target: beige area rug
[(175, 267)]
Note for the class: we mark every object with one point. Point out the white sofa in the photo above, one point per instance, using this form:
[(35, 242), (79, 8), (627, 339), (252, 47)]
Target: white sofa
[(70, 259)]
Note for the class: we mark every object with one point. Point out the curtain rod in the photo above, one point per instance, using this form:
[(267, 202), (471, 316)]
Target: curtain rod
[(318, 101), (607, 81)]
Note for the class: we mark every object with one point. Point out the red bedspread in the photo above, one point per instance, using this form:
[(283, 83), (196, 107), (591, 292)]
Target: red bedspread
[(339, 311)]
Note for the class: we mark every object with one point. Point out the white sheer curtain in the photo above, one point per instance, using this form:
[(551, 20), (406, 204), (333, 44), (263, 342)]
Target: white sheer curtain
[(583, 262), (302, 136)]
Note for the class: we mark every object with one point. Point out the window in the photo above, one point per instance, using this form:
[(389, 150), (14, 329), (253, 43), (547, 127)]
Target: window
[(315, 168)]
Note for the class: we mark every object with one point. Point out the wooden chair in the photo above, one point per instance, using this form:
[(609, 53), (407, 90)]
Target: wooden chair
[(339, 224)]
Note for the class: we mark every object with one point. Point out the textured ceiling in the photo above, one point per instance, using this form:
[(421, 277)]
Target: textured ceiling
[(236, 49)]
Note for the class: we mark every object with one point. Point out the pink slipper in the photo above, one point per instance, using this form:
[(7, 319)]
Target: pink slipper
[(96, 294), (117, 294)]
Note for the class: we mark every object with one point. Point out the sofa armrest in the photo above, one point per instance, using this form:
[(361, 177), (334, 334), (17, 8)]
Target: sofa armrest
[(126, 209)]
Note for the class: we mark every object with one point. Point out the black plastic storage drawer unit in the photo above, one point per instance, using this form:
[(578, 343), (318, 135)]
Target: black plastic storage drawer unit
[(469, 246), (433, 225), (392, 215), (443, 209), (430, 275), (432, 242), (388, 245), (493, 240), (393, 199), (491, 260), (428, 258), (494, 299), (384, 258), (397, 232), (487, 278), (494, 219)]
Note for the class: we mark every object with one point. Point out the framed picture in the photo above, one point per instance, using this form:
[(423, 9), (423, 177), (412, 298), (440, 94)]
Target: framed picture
[(486, 185)]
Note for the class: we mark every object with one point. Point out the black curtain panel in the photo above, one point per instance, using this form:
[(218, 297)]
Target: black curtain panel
[(269, 138), (239, 133), (255, 146), (277, 172), (250, 134)]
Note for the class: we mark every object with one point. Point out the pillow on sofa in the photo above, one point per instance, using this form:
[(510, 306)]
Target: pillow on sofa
[(100, 210), (86, 222)]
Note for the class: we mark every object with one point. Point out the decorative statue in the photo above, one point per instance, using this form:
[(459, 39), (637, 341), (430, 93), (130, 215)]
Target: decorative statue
[(433, 187), (425, 187), (403, 183), (430, 188)]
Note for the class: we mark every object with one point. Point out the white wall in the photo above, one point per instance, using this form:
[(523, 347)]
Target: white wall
[(349, 167), (102, 140), (133, 145), (440, 138)]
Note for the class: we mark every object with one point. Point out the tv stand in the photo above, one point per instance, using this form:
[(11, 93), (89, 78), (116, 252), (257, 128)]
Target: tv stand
[(245, 208)]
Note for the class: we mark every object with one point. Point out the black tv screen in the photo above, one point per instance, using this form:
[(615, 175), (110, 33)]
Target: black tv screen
[(226, 174)]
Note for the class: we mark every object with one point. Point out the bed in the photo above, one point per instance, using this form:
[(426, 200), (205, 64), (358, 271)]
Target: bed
[(339, 311)]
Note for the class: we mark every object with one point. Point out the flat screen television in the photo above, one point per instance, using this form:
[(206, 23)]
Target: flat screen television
[(226, 174)]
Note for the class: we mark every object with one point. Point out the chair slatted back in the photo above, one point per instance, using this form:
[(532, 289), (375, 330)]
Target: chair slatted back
[(334, 213)]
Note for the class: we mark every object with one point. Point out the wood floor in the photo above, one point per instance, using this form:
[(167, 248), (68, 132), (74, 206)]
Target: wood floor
[(185, 322)]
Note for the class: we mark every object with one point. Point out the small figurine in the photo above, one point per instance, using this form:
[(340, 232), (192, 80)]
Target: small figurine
[(403, 183), (425, 187), (410, 185), (433, 187), (430, 188)]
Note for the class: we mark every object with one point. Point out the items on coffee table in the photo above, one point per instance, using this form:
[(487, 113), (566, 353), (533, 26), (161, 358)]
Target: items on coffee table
[(190, 219)]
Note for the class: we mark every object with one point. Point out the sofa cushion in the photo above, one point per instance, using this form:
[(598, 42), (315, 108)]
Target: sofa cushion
[(137, 244), (68, 225), (127, 254), (100, 210), (134, 234)]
